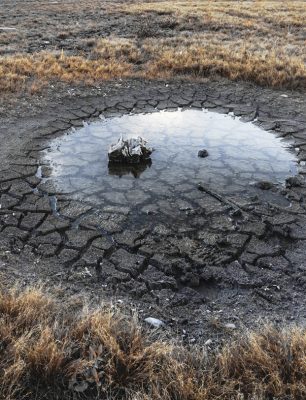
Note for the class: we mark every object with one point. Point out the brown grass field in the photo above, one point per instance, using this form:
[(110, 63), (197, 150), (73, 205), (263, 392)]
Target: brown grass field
[(86, 42), (48, 352)]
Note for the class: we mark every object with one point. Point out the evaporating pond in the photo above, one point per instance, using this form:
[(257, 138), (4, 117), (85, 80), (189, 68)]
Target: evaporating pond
[(239, 155)]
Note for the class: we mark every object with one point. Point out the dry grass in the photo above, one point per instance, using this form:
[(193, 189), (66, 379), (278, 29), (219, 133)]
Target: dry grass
[(47, 353), (258, 41), (264, 65), (17, 72)]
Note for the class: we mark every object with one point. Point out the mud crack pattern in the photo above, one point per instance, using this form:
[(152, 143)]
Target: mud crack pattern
[(245, 258)]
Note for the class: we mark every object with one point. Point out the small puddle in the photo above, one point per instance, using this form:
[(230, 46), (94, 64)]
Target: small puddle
[(239, 155)]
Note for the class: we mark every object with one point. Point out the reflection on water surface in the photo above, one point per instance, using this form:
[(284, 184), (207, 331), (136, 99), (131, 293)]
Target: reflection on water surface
[(239, 154)]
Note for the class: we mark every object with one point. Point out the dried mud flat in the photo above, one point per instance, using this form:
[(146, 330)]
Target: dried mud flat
[(247, 265), (240, 270)]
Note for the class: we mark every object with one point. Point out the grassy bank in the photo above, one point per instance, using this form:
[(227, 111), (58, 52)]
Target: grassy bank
[(50, 350)]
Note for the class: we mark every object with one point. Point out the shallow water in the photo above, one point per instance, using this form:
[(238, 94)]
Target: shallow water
[(239, 155)]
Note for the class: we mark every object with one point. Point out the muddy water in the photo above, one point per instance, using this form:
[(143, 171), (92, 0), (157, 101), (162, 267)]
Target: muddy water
[(240, 154)]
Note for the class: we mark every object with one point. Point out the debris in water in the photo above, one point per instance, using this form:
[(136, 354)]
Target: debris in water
[(264, 185), (129, 151)]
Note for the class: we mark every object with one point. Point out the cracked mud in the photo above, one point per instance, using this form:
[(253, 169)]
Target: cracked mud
[(187, 244)]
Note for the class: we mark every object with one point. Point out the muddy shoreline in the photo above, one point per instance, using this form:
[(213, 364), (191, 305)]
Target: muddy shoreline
[(246, 276)]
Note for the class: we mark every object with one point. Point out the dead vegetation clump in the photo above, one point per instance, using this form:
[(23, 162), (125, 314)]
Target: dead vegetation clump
[(122, 50), (47, 352)]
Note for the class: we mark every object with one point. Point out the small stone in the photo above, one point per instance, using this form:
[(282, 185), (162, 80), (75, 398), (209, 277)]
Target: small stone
[(203, 153), (208, 342), (230, 326), (156, 323), (294, 181)]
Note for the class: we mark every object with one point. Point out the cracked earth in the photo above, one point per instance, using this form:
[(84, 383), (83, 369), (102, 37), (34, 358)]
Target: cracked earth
[(226, 259)]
